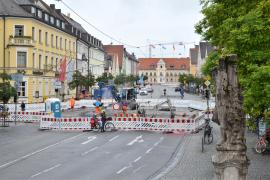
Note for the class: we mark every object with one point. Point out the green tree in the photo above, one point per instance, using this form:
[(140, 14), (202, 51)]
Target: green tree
[(241, 28), (6, 90), (105, 77), (120, 79)]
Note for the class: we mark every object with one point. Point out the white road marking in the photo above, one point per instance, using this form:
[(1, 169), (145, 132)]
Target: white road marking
[(137, 139), (149, 150), (86, 152), (121, 170), (38, 151), (137, 159), (160, 140), (90, 138), (115, 137), (46, 170)]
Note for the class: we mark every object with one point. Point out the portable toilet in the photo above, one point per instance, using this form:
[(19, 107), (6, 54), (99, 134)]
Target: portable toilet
[(53, 105)]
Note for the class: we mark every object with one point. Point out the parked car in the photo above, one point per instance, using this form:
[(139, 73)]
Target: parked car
[(149, 89), (143, 92)]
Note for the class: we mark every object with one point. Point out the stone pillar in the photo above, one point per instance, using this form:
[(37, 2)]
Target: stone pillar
[(230, 161)]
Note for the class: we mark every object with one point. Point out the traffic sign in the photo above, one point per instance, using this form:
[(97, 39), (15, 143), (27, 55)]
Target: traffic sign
[(57, 84), (207, 83)]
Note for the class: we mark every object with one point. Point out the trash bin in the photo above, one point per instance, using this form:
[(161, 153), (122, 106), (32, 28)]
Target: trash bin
[(53, 105)]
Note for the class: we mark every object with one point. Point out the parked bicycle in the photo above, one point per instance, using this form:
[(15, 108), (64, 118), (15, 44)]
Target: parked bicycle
[(207, 134), (96, 124), (262, 145)]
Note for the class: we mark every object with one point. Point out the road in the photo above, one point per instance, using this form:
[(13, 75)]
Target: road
[(27, 153)]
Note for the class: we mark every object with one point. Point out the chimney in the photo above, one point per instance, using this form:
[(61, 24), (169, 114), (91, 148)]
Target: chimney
[(58, 11), (52, 6)]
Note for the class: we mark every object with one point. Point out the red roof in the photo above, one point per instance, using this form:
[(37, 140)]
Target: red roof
[(115, 50), (170, 63)]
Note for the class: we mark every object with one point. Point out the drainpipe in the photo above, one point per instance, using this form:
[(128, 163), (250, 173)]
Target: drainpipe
[(76, 89), (4, 43)]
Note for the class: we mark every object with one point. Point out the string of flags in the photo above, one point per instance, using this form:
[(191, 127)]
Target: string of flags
[(164, 47)]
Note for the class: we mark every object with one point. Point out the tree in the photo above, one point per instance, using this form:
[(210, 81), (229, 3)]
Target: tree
[(6, 90), (105, 77), (120, 79), (241, 28)]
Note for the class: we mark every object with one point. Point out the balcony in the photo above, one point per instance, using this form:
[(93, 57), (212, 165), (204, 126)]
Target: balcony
[(20, 41), (38, 72)]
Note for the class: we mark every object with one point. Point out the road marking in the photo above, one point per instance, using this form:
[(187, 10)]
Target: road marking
[(137, 139), (86, 152), (90, 138), (121, 170), (149, 150), (115, 137), (139, 168), (46, 170), (160, 140), (136, 160), (38, 151)]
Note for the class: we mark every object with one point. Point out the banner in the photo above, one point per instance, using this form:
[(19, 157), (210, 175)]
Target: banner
[(62, 70)]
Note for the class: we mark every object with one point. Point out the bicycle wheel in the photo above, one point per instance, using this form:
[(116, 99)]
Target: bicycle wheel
[(202, 143), (209, 138), (97, 127), (109, 126), (260, 147)]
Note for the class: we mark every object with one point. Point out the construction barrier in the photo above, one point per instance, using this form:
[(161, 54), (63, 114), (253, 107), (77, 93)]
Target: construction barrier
[(79, 123), (133, 122), (25, 116)]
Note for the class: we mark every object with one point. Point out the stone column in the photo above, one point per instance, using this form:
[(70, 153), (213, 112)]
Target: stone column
[(230, 161)]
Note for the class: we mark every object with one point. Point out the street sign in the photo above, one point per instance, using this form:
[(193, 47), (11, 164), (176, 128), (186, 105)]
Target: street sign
[(57, 84), (207, 83)]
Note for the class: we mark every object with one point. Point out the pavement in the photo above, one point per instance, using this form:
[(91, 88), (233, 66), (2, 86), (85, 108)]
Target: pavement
[(195, 165)]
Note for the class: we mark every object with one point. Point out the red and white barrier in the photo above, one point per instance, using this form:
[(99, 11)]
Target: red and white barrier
[(80, 123), (26, 116)]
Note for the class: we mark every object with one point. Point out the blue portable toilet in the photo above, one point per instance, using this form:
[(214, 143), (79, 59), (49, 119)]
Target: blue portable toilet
[(53, 105)]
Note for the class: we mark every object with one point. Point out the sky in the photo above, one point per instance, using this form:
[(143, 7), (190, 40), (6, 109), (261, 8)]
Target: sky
[(164, 23)]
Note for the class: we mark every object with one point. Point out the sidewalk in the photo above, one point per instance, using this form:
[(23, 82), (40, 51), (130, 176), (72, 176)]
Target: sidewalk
[(195, 165)]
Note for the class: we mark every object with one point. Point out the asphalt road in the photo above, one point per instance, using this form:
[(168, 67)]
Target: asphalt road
[(27, 153)]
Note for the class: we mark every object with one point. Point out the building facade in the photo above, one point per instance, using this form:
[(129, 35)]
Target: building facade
[(122, 61), (163, 70)]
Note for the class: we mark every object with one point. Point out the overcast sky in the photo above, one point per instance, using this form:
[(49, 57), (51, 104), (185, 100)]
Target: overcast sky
[(140, 22)]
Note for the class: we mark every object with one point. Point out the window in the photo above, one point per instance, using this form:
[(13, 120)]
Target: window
[(19, 30), (22, 89), (57, 23), (56, 64), (33, 10), (40, 36), (61, 46), (52, 61), (70, 45), (150, 73), (56, 41), (21, 59), (33, 34), (63, 25), (39, 61), (46, 38), (52, 40), (161, 74), (73, 46), (155, 74), (52, 20), (39, 13), (46, 62), (34, 60), (46, 17), (65, 44)]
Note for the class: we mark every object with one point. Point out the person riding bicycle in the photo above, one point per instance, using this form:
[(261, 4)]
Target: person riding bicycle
[(103, 120), (98, 108)]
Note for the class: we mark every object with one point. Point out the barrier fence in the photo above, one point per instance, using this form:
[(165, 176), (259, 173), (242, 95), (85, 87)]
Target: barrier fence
[(27, 116), (134, 122)]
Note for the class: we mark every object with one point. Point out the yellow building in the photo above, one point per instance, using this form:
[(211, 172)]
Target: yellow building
[(35, 39)]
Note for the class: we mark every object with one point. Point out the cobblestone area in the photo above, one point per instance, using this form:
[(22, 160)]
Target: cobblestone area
[(196, 165)]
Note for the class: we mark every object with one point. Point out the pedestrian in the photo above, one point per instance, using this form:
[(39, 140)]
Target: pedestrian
[(72, 103), (164, 92), (23, 106), (182, 92), (103, 120), (98, 105)]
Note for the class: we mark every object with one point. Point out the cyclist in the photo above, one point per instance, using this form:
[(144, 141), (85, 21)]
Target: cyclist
[(103, 120)]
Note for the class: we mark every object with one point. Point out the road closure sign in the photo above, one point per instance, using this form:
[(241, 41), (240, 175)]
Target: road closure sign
[(207, 83)]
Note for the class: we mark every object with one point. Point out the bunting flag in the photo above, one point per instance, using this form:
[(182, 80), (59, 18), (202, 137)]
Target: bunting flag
[(70, 70), (151, 45), (173, 47), (62, 73)]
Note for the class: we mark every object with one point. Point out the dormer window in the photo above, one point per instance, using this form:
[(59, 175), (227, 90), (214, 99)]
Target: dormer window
[(52, 20), (72, 29), (39, 13), (58, 23), (33, 10), (46, 17), (160, 67), (63, 25)]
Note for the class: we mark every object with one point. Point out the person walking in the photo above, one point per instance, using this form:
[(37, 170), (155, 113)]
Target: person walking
[(182, 92), (72, 103), (23, 106)]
